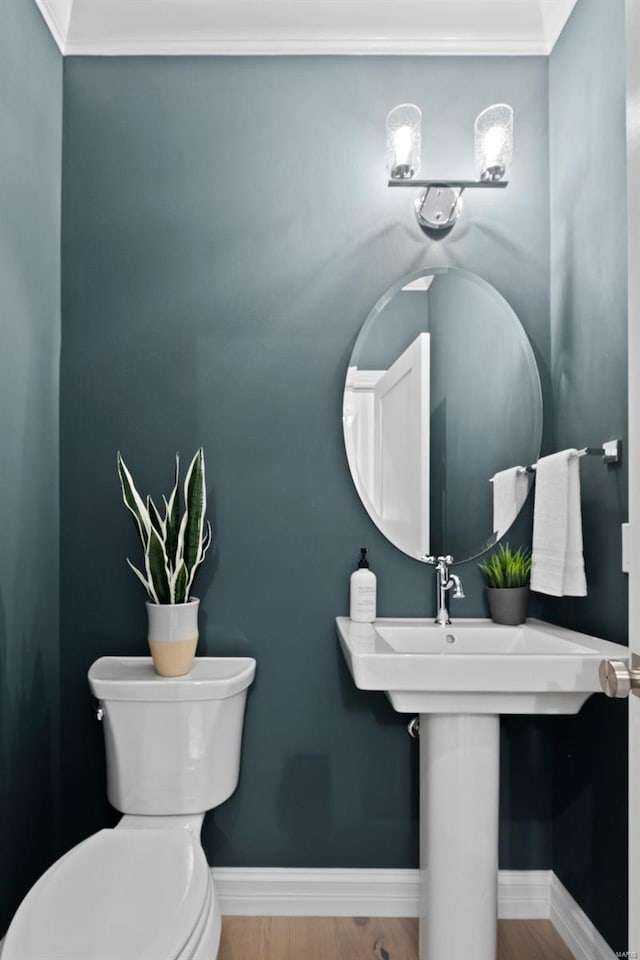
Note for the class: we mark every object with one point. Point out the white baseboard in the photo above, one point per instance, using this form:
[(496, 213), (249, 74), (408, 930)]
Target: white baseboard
[(284, 892), (574, 926), (524, 894)]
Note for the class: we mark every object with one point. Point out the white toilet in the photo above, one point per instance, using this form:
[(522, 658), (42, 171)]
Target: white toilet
[(143, 891)]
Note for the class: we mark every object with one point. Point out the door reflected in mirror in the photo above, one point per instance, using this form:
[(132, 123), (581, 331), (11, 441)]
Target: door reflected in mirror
[(442, 393)]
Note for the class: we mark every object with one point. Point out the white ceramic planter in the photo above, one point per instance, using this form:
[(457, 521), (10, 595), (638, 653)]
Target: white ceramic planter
[(173, 636)]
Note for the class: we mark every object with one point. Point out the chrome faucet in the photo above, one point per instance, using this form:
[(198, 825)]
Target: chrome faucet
[(445, 581)]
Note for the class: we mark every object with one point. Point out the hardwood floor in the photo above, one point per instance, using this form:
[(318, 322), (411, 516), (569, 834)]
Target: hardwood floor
[(361, 938)]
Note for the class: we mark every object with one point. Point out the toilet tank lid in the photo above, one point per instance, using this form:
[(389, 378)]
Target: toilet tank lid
[(134, 678), (130, 894)]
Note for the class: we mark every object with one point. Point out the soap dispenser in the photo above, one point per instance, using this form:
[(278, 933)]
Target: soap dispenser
[(363, 592)]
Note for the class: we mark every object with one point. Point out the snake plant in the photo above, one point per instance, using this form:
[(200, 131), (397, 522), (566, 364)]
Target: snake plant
[(174, 546), (507, 568)]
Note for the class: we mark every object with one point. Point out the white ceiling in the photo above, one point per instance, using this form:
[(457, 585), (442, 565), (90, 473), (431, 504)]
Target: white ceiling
[(112, 27)]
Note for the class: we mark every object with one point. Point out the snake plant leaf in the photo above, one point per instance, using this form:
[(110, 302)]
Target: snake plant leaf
[(133, 500), (156, 567), (206, 543), (192, 526), (180, 583), (155, 519), (172, 520), (143, 581)]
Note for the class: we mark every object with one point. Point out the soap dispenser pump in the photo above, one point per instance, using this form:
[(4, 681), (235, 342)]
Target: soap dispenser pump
[(363, 592)]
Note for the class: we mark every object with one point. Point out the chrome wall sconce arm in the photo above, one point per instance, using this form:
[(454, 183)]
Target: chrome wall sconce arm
[(439, 206)]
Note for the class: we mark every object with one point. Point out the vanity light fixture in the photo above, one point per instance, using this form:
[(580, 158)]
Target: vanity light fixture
[(440, 204)]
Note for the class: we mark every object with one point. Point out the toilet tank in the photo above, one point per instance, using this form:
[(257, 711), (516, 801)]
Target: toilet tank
[(172, 743)]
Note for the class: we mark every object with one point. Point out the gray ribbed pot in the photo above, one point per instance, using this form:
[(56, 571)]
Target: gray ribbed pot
[(508, 605)]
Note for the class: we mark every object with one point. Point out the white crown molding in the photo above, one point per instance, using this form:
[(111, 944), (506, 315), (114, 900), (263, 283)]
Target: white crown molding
[(57, 16), (413, 47), (277, 27)]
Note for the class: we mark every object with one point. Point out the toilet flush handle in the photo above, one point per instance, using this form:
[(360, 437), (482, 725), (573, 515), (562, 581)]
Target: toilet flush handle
[(99, 711)]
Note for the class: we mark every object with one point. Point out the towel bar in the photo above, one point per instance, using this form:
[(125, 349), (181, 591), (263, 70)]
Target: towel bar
[(611, 451)]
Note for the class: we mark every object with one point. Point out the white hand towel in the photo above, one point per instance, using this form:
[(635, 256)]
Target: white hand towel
[(510, 489), (557, 561)]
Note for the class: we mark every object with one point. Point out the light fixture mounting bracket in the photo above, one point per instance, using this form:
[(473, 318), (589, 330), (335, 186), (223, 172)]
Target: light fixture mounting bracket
[(440, 205)]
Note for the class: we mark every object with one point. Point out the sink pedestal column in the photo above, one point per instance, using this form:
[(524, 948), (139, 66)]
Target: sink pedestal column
[(459, 793)]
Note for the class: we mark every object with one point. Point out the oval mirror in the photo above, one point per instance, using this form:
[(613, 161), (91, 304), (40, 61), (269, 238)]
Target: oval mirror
[(442, 393)]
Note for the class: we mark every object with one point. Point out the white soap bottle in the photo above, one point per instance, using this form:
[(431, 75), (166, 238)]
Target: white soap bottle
[(363, 592)]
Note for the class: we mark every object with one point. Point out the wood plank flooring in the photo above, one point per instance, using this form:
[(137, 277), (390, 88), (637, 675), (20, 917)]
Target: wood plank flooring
[(361, 938)]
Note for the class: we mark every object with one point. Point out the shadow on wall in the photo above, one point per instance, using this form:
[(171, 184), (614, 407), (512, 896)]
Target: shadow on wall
[(526, 797), (27, 801)]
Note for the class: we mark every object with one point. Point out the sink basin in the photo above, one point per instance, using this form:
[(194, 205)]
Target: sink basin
[(473, 637), (475, 666)]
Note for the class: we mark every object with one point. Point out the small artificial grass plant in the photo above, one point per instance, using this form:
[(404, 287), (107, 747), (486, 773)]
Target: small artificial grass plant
[(506, 568)]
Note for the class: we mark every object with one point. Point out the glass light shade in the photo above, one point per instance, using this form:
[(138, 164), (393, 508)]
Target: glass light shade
[(404, 141), (494, 142)]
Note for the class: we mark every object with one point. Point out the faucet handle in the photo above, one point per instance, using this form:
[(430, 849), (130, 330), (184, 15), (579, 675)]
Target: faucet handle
[(458, 592)]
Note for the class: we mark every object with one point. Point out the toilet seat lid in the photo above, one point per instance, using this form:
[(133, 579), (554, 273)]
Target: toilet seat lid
[(120, 895)]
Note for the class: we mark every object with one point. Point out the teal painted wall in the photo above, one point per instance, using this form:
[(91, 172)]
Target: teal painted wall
[(30, 183), (227, 229), (589, 365)]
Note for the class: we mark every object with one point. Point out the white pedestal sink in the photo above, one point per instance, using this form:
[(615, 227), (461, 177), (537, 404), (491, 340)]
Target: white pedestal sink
[(459, 679)]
